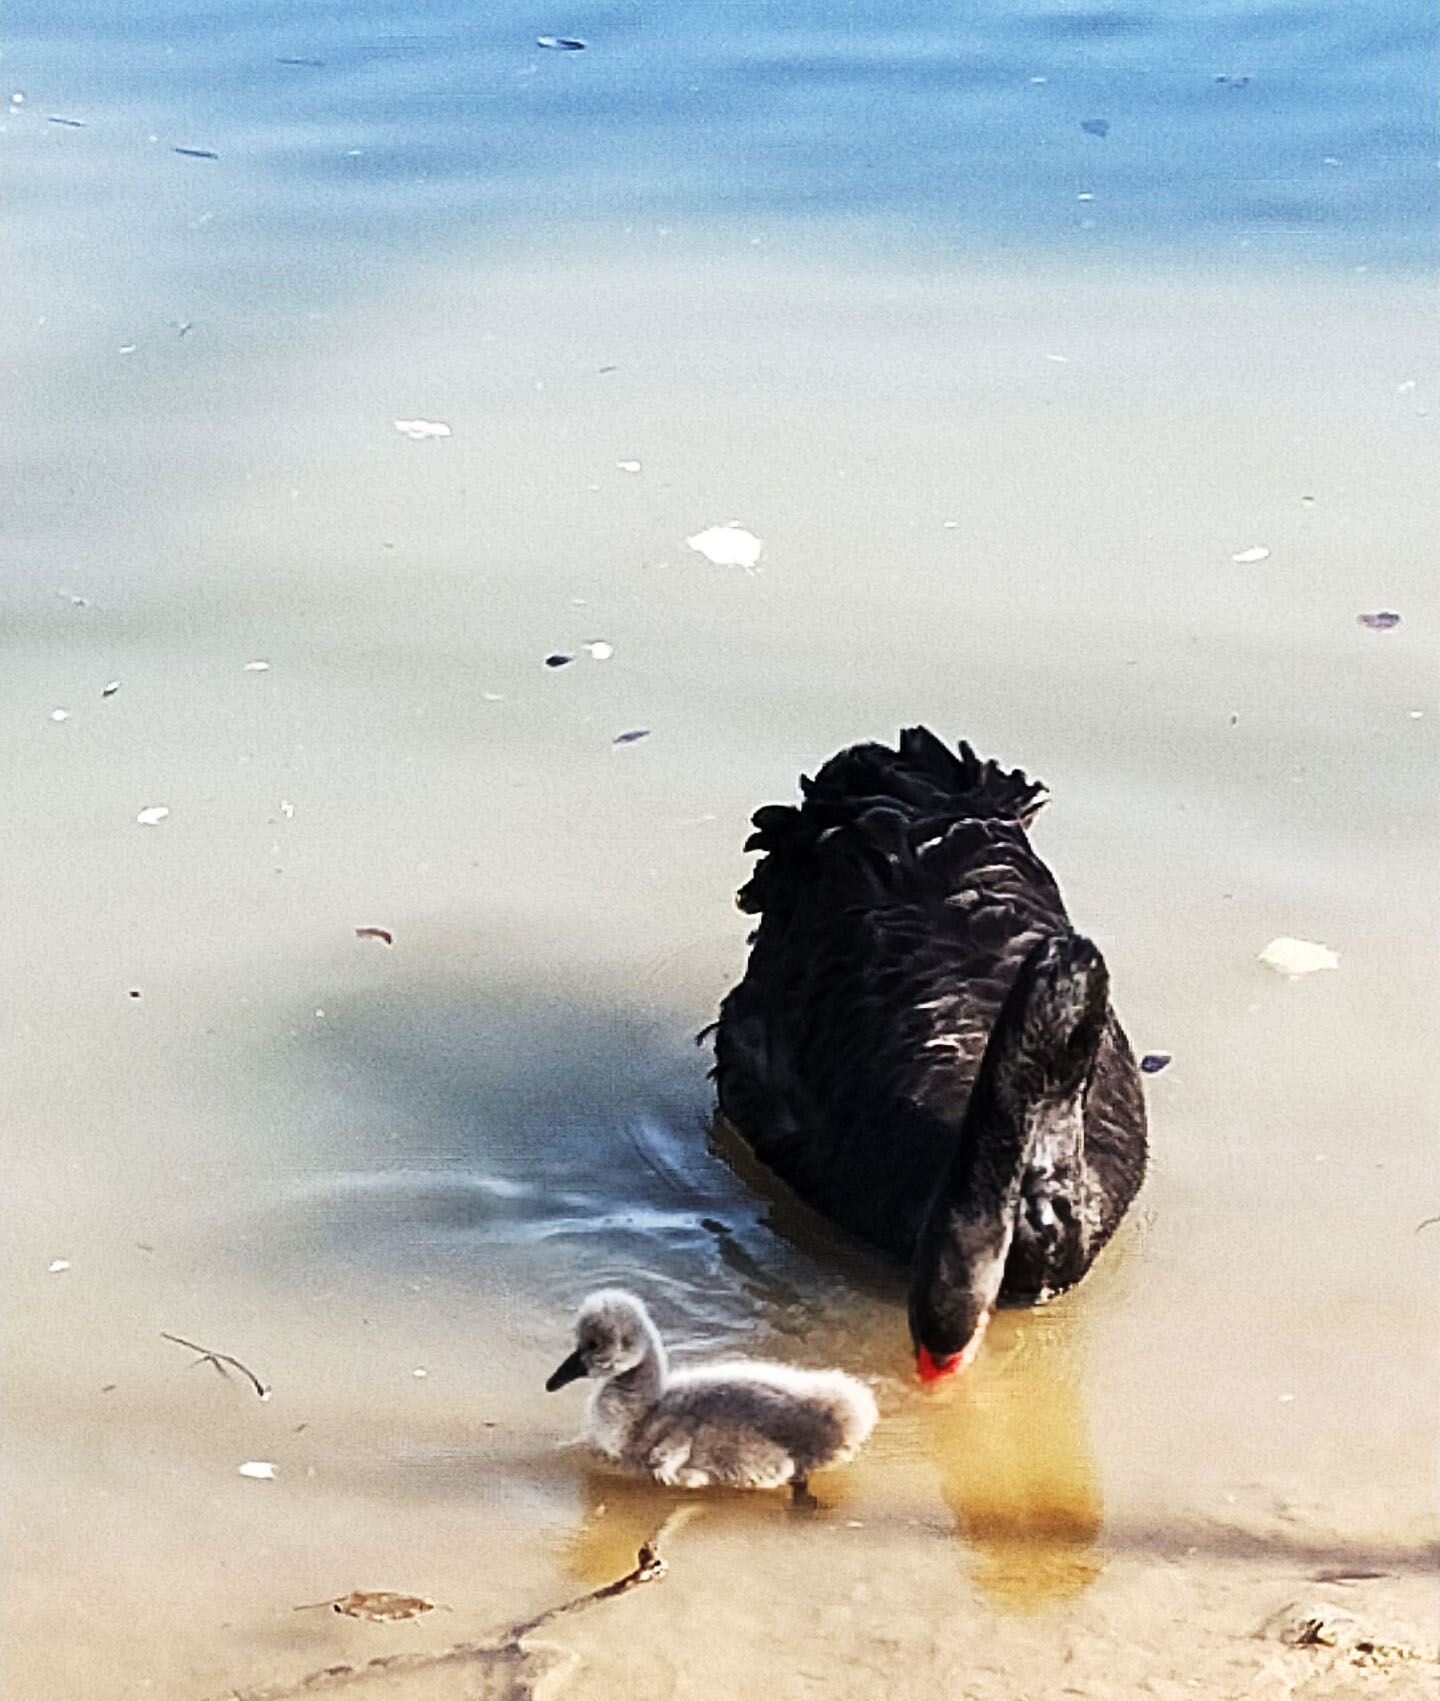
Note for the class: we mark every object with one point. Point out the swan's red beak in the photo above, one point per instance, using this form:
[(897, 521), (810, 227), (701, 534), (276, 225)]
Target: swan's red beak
[(936, 1369)]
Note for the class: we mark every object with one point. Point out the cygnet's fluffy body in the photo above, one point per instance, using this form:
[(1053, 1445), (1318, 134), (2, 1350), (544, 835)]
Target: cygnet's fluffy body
[(741, 1424)]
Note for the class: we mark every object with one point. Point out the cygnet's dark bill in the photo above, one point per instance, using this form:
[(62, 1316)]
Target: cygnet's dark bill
[(571, 1371)]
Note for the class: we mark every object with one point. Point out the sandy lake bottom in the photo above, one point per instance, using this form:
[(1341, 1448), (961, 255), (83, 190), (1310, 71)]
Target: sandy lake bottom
[(1004, 502)]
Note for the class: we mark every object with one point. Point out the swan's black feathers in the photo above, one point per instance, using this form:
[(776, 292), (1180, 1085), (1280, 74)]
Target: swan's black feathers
[(896, 904), (896, 804)]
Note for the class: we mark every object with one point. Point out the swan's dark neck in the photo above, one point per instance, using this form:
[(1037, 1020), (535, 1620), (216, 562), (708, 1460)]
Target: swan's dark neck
[(965, 1239), (1026, 1109)]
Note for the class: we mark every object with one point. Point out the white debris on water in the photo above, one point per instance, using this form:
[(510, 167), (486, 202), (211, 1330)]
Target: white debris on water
[(261, 1469), (1294, 957), (419, 430), (57, 1265), (1248, 557), (59, 714), (257, 667), (153, 815), (728, 546), (628, 466), (598, 650)]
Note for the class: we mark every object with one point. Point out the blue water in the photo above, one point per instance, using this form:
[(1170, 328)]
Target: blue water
[(1296, 133)]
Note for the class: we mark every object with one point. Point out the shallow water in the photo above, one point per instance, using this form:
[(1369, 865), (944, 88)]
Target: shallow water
[(1001, 465)]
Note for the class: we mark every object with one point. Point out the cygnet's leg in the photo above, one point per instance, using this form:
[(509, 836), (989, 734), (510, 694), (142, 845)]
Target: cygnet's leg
[(801, 1499), (668, 1462)]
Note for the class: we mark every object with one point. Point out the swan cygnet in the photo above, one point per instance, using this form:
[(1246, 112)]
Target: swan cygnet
[(739, 1424)]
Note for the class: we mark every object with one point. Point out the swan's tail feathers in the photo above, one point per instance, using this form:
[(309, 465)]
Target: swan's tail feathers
[(923, 776), (870, 807), (984, 787)]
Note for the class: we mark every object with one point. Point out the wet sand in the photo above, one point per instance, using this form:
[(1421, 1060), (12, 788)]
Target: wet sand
[(347, 1162)]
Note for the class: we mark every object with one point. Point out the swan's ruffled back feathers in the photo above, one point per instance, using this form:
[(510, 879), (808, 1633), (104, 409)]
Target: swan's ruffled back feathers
[(872, 814), (896, 903), (924, 774)]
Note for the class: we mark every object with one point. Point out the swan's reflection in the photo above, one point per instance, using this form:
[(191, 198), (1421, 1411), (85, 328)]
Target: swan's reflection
[(1010, 1443), (1008, 1438)]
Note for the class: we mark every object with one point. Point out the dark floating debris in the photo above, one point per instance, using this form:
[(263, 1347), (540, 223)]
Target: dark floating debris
[(134, 992), (383, 934), (1385, 620), (219, 1360), (632, 737), (69, 123), (1095, 126), (1154, 1061), (1424, 1223), (1233, 82), (376, 1606), (196, 153), (311, 64), (558, 660), (561, 43)]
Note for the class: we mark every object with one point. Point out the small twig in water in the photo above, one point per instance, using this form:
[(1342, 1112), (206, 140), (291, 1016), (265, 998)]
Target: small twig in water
[(504, 1658), (649, 1567), (219, 1360), (1426, 1222)]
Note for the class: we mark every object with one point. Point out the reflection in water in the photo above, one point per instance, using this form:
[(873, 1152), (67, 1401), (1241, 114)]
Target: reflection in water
[(1008, 1440), (1010, 1443), (618, 1513)]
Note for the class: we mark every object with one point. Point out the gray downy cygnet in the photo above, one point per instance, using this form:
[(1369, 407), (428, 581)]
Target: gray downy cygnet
[(739, 1424)]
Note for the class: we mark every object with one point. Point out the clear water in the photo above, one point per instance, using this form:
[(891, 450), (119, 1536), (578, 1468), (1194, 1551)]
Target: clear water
[(828, 272)]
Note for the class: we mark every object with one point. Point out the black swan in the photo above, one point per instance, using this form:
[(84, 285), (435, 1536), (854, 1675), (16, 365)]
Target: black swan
[(743, 1424), (921, 1046)]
